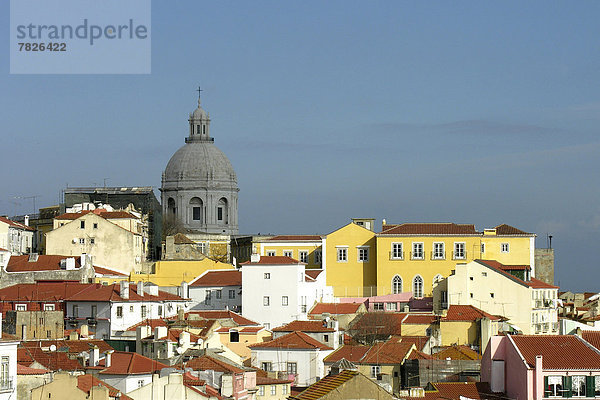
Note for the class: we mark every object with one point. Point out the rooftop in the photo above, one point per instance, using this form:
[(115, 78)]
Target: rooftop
[(295, 238), (335, 308), (273, 260), (231, 277), (40, 263), (304, 326), (293, 340), (447, 228), (126, 363), (557, 351), (324, 386), (390, 352), (467, 313)]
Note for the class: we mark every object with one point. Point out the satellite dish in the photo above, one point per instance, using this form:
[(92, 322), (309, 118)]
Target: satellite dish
[(52, 347), (179, 350)]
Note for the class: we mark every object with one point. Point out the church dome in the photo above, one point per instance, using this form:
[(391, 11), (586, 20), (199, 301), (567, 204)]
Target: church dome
[(202, 162)]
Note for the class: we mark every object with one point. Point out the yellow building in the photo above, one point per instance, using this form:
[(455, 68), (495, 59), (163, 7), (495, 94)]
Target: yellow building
[(416, 256), (467, 325), (350, 256), (304, 248)]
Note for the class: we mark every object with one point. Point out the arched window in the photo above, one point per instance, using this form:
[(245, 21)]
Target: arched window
[(171, 206), (417, 286), (196, 209), (437, 279), (222, 211), (396, 285)]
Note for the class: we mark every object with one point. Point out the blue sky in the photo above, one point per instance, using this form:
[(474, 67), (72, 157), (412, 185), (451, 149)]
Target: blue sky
[(469, 112)]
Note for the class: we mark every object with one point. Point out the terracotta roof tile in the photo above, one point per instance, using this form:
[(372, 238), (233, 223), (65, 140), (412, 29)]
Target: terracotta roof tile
[(502, 269), (85, 383), (380, 353), (180, 238), (71, 347), (293, 340), (265, 380), (324, 386), (223, 314), (557, 351), (457, 353), (313, 273), (16, 224), (273, 260), (419, 355), (54, 361), (420, 319), (24, 370), (108, 271), (507, 230), (431, 229), (335, 308), (418, 341), (44, 291), (125, 363), (226, 277), (592, 337), (295, 238), (43, 263), (467, 313), (451, 391), (100, 212), (208, 363), (380, 323), (153, 323), (99, 292), (304, 326)]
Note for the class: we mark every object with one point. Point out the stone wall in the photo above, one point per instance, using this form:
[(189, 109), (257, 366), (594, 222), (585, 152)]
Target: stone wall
[(544, 265)]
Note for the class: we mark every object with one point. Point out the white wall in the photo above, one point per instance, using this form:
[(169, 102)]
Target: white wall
[(126, 383), (309, 362), (198, 296), (9, 349)]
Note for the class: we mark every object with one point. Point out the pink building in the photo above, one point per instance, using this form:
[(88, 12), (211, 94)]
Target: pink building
[(390, 302), (542, 367)]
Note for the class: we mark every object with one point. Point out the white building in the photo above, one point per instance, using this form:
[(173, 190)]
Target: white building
[(111, 309), (278, 289), (8, 367), (16, 237), (296, 356), (129, 371), (217, 290)]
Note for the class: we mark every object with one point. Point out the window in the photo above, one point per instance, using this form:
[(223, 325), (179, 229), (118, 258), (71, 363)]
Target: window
[(95, 225), (284, 389), (578, 386), (492, 295), (218, 293), (267, 275), (271, 253), (484, 274), (284, 300), (417, 252), (140, 383), (130, 308), (397, 253), (81, 240), (342, 254), (234, 336), (554, 386), (391, 306), (273, 390), (49, 307), (438, 251), (261, 390), (292, 368), (482, 248), (75, 311), (317, 256), (459, 251), (303, 256), (232, 294), (288, 253), (326, 338), (375, 370), (396, 285), (143, 311), (597, 385), (119, 311), (266, 366), (93, 240), (5, 381), (378, 306), (220, 213), (196, 213), (94, 311), (266, 301), (267, 326), (207, 297), (504, 248), (363, 254), (418, 286), (160, 311), (82, 224)]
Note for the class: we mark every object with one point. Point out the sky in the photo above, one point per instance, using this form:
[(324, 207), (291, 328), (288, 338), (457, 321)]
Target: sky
[(468, 112)]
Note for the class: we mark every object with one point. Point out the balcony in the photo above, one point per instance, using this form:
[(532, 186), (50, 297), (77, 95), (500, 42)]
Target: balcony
[(417, 255), (396, 255), (438, 255), (459, 255)]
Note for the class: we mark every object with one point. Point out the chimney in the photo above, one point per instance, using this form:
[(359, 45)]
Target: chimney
[(539, 379), (94, 356), (140, 288), (108, 358), (180, 314), (184, 290), (160, 332), (70, 263), (83, 330), (184, 339), (124, 289), (23, 332), (27, 220), (254, 258)]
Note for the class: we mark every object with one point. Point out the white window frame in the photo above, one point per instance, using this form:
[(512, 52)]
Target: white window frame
[(504, 247), (20, 307), (261, 390), (362, 253), (232, 293), (394, 284), (421, 248), (439, 251), (397, 251), (266, 301), (284, 300), (460, 255), (49, 307), (342, 253), (416, 293), (317, 255), (375, 370), (273, 390), (267, 275), (271, 253), (288, 253), (303, 256)]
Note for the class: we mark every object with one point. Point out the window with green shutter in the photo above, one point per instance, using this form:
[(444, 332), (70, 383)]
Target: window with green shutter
[(590, 386), (567, 382)]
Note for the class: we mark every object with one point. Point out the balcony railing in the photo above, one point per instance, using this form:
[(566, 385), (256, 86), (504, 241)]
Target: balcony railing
[(418, 255), (396, 255), (438, 255), (459, 255)]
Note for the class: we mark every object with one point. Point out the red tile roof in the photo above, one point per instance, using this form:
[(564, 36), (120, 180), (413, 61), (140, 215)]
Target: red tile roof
[(99, 292), (457, 353), (265, 380), (516, 267), (502, 269), (507, 230), (153, 323), (467, 313), (380, 353), (419, 355), (296, 238), (85, 383), (223, 314), (431, 229), (451, 391), (273, 260), (420, 319), (293, 340), (380, 323), (107, 271), (208, 363), (304, 326), (231, 277), (52, 360), (335, 308), (41, 291), (24, 370), (324, 386), (43, 263), (125, 363), (312, 273), (70, 346), (557, 351), (101, 212), (15, 224), (418, 341), (592, 337)]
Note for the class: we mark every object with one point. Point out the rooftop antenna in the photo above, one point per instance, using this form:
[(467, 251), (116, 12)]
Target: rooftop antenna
[(550, 240), (28, 197)]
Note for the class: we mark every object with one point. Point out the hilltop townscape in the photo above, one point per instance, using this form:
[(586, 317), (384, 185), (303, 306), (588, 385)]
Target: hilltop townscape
[(117, 294)]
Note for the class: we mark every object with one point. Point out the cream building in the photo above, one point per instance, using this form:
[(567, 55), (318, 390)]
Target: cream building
[(114, 239), (506, 290)]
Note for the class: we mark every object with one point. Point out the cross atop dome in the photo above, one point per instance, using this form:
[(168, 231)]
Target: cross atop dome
[(199, 123)]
